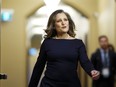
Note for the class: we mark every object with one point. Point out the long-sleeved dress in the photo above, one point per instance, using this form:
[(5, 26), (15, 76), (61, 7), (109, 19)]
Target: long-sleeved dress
[(61, 56)]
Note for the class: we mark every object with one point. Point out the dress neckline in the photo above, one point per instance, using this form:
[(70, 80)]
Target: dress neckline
[(64, 39)]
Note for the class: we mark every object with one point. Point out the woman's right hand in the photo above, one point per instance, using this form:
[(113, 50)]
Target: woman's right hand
[(95, 74)]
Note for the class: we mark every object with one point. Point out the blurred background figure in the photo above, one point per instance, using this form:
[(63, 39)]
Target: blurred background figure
[(104, 61)]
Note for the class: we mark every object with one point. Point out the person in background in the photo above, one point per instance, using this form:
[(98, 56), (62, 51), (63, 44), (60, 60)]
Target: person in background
[(104, 60), (61, 51)]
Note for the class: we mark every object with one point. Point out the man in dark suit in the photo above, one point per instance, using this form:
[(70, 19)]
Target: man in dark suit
[(104, 60)]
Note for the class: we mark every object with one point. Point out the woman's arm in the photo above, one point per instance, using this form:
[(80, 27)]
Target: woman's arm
[(85, 62), (39, 66)]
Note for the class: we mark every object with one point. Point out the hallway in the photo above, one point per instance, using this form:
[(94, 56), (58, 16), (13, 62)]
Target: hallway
[(22, 34)]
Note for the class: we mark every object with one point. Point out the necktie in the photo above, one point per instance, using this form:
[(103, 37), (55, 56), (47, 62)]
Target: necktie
[(105, 70), (105, 59)]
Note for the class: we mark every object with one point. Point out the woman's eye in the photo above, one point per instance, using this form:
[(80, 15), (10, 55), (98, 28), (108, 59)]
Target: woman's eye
[(58, 21), (62, 20), (65, 19)]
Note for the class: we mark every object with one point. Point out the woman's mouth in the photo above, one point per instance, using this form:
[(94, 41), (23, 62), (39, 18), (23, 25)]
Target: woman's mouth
[(64, 27)]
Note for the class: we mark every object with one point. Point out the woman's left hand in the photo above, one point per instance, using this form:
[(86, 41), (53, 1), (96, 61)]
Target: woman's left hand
[(95, 74)]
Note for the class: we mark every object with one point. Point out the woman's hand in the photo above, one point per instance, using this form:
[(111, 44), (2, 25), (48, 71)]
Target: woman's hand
[(95, 74)]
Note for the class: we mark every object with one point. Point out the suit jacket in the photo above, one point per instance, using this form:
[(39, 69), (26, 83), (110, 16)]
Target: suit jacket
[(98, 65)]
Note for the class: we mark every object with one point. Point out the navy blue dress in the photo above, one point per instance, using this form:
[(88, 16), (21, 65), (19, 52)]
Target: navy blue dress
[(61, 56)]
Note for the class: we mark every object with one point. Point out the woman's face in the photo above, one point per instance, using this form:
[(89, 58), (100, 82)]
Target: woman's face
[(61, 23)]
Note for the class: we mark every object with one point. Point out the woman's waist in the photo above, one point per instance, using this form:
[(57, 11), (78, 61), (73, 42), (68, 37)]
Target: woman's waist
[(61, 66), (61, 75)]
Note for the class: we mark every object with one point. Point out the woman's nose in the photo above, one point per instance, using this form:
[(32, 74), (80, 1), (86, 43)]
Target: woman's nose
[(63, 22)]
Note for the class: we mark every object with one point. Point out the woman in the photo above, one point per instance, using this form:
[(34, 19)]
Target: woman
[(61, 51)]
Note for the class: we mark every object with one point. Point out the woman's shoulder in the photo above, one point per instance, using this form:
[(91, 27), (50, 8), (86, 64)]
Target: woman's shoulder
[(74, 38), (46, 40), (79, 40)]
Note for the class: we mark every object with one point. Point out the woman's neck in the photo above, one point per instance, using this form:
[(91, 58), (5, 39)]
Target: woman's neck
[(62, 36)]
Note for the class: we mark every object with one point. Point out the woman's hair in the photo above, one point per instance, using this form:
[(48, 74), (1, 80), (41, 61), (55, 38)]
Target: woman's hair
[(51, 31)]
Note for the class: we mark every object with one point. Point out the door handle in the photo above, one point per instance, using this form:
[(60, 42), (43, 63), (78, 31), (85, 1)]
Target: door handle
[(3, 76)]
